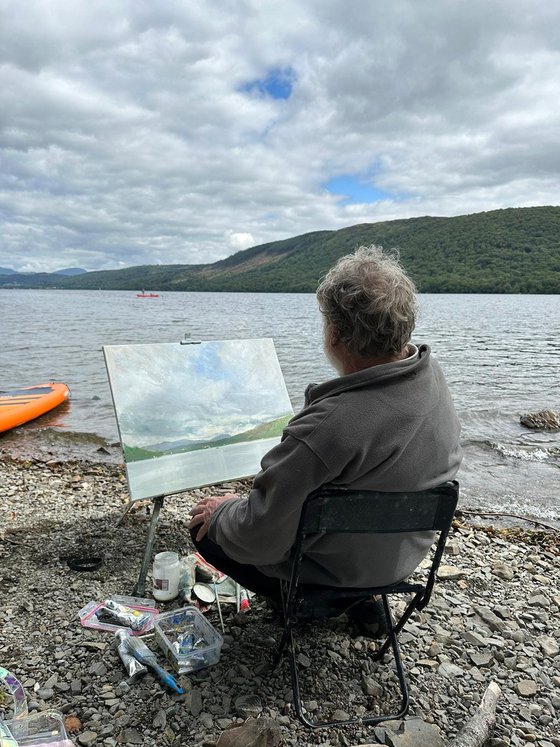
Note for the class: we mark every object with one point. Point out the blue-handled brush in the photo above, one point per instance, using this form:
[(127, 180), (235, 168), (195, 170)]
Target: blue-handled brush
[(142, 653)]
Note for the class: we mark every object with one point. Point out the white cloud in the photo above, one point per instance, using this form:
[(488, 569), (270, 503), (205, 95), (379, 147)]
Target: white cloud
[(239, 240), (126, 136)]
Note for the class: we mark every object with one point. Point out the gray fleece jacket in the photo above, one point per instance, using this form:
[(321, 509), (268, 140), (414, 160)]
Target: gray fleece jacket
[(390, 427)]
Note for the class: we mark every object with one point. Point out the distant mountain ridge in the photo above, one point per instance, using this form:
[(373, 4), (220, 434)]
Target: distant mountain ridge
[(515, 250), (70, 271)]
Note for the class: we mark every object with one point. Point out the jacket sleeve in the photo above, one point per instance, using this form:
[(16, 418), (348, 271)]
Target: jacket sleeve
[(261, 529)]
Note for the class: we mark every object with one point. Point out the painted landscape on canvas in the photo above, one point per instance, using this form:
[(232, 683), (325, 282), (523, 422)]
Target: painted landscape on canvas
[(194, 414)]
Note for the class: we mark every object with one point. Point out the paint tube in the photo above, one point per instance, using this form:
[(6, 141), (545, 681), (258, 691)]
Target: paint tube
[(121, 614), (134, 668), (244, 603)]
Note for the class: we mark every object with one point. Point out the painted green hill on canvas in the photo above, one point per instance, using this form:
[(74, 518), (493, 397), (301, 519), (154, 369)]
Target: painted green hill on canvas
[(261, 431)]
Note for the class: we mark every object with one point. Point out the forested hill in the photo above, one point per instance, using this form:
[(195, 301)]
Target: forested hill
[(516, 250)]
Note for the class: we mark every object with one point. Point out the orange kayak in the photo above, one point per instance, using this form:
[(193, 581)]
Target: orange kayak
[(21, 405)]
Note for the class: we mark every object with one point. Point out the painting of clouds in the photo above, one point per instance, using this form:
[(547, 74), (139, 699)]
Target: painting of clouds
[(195, 414)]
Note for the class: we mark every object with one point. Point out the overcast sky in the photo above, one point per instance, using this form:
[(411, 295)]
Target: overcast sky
[(158, 132)]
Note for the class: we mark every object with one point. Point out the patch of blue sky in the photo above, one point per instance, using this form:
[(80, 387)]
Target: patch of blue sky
[(277, 84), (208, 361), (355, 190)]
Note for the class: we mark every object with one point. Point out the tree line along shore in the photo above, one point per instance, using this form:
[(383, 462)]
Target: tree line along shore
[(515, 250)]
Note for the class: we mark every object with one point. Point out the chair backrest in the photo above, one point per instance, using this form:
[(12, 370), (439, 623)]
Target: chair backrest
[(336, 510)]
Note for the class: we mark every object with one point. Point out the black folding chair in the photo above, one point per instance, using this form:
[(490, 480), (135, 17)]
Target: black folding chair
[(349, 511)]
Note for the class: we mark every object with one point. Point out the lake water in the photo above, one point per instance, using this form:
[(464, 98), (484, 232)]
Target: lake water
[(500, 354)]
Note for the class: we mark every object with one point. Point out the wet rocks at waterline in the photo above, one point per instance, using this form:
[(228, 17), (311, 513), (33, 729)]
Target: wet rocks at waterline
[(544, 420)]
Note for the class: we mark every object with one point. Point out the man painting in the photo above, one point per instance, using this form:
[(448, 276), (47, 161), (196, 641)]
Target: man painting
[(386, 422)]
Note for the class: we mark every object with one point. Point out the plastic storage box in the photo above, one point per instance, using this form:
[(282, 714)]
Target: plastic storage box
[(37, 730), (188, 640)]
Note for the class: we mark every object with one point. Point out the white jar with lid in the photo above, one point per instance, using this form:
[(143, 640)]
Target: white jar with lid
[(165, 574)]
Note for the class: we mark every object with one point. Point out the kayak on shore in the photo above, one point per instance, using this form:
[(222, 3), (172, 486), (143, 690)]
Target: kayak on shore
[(19, 406)]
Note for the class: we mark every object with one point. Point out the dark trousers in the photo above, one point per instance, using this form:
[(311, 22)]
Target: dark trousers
[(247, 576)]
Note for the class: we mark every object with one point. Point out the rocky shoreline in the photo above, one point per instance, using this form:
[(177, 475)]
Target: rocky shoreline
[(495, 615)]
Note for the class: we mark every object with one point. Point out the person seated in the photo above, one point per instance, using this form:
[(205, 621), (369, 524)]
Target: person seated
[(386, 423)]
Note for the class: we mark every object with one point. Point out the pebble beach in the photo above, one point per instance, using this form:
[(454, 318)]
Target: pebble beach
[(494, 616)]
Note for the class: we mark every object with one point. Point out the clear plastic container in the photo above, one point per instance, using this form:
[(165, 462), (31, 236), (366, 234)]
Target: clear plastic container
[(187, 639), (144, 607), (39, 729)]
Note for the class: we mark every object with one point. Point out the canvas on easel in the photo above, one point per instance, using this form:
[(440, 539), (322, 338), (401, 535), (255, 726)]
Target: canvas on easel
[(194, 414)]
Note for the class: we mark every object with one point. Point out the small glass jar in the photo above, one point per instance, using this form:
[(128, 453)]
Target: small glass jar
[(165, 574)]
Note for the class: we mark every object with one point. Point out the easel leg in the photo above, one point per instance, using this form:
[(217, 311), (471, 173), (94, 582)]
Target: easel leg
[(140, 588), (125, 513)]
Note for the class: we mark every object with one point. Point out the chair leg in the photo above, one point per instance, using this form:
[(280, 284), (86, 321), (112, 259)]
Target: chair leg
[(400, 624), (392, 638), (366, 720)]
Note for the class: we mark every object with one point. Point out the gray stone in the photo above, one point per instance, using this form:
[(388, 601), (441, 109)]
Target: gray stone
[(491, 619), (415, 733), (474, 638), (51, 682), (260, 732), (98, 669), (76, 687), (448, 669), (539, 600), (450, 573), (195, 705), (549, 645), (160, 720), (526, 688), (503, 612), (87, 737), (481, 660), (452, 548), (429, 663), (45, 693), (206, 720), (503, 571), (372, 687), (132, 736), (435, 649), (248, 706)]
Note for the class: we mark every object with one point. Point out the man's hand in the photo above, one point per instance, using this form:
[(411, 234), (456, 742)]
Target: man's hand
[(202, 512)]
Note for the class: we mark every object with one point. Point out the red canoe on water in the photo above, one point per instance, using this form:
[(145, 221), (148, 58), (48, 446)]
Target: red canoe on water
[(147, 295)]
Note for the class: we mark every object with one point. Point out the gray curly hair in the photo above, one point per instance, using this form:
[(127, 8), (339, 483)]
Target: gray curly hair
[(370, 300)]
